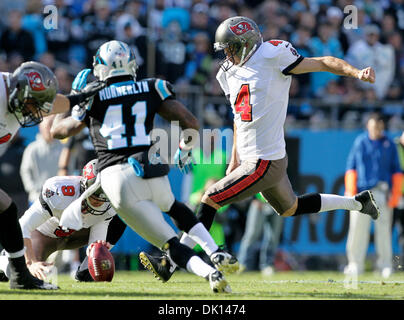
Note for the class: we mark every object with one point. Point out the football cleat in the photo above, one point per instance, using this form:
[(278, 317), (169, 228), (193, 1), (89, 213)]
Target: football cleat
[(83, 276), (161, 267), (21, 278), (3, 277), (224, 261), (369, 205), (218, 283), (28, 281)]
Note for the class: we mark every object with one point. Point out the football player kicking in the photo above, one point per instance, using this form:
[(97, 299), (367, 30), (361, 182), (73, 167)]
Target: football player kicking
[(71, 212), (255, 77), (120, 119), (26, 96)]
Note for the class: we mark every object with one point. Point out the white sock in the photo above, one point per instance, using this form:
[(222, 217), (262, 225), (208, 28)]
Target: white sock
[(186, 240), (5, 265), (197, 266), (200, 235), (331, 202), (16, 254)]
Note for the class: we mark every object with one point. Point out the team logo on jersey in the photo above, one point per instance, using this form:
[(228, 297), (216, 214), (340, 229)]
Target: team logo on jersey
[(241, 28), (49, 193), (35, 81)]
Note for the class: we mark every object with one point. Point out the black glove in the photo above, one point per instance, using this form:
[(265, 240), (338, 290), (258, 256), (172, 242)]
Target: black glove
[(86, 94)]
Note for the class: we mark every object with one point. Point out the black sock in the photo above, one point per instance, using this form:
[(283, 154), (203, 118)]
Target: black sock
[(206, 215), (10, 230), (183, 217), (308, 203), (179, 253)]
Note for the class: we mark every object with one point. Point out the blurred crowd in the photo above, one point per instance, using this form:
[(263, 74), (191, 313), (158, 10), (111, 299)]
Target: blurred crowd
[(173, 39)]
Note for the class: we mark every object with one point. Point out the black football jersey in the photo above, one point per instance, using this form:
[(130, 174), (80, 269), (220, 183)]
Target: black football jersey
[(121, 117)]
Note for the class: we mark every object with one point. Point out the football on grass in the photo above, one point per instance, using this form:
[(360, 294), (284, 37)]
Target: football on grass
[(101, 263)]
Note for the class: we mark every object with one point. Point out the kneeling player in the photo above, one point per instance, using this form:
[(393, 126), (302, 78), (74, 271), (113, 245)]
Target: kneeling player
[(63, 203)]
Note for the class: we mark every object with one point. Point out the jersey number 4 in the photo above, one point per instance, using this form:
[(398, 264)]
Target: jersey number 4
[(243, 105), (114, 129)]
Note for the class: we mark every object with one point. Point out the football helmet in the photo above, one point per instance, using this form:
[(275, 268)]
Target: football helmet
[(89, 177), (113, 59), (33, 87), (241, 37)]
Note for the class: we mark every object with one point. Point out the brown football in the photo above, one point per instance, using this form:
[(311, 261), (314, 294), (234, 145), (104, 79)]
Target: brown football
[(101, 263)]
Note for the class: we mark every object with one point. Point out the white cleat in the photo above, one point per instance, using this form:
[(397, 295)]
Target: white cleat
[(224, 262), (218, 283)]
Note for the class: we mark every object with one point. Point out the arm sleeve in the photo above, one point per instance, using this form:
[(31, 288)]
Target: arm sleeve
[(99, 231), (164, 89), (33, 218), (288, 57), (71, 217)]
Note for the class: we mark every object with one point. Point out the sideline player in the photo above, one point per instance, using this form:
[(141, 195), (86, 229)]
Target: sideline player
[(61, 203), (120, 119), (26, 96), (255, 77)]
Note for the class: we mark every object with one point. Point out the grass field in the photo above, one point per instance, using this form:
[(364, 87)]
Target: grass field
[(140, 285)]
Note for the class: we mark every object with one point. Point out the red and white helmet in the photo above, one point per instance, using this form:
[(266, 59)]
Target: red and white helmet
[(89, 176)]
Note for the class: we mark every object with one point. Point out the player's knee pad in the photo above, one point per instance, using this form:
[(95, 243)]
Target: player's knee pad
[(179, 253)]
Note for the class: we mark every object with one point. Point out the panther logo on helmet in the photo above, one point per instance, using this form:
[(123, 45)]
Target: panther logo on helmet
[(35, 81), (241, 28)]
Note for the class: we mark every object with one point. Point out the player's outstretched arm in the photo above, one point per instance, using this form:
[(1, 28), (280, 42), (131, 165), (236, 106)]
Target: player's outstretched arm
[(64, 103), (64, 126), (174, 110), (334, 65)]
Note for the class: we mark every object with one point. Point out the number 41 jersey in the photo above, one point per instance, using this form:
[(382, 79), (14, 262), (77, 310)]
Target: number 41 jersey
[(121, 117)]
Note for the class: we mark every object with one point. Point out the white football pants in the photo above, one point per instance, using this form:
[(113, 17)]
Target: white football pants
[(359, 234), (139, 202)]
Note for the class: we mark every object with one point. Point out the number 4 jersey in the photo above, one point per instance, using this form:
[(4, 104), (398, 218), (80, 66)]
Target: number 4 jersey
[(121, 117), (259, 93)]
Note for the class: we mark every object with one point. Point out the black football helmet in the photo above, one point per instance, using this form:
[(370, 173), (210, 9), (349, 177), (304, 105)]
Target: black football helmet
[(240, 36), (33, 87)]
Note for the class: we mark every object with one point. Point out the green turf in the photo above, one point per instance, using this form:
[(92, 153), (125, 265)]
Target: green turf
[(140, 285)]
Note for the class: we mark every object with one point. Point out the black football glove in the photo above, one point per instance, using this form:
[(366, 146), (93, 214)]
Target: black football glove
[(84, 96)]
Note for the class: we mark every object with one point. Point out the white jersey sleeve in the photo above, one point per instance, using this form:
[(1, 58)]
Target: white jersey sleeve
[(72, 217), (99, 231), (287, 55), (35, 216), (221, 78)]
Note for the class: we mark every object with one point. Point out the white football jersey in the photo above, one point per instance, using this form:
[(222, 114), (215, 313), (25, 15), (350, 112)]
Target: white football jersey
[(60, 195), (259, 93), (8, 122)]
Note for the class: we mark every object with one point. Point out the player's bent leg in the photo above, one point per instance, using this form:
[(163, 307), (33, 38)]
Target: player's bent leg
[(187, 259), (12, 241)]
